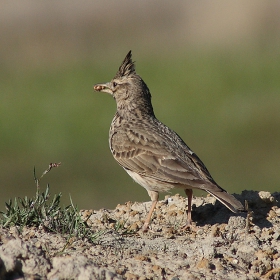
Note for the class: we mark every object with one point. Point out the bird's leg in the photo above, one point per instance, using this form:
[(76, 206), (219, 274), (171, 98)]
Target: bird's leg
[(189, 193), (154, 197)]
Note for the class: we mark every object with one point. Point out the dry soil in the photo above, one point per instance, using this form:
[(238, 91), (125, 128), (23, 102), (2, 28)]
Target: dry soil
[(221, 245)]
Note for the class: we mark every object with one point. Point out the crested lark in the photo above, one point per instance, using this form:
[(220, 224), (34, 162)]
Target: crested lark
[(151, 153)]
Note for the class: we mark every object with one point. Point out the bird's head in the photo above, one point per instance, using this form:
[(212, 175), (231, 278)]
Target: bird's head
[(128, 88)]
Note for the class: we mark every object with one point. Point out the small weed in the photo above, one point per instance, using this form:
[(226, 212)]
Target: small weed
[(42, 211)]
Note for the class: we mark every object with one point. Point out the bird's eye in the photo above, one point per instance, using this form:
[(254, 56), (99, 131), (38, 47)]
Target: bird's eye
[(114, 84)]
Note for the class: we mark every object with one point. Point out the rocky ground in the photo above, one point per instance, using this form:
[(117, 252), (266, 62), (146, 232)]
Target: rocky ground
[(223, 245)]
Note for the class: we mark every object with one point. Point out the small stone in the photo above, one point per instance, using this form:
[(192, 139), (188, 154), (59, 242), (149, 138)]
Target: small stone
[(272, 214), (180, 213), (141, 258), (266, 197), (204, 263), (130, 276), (277, 211), (169, 200), (172, 207), (237, 222), (134, 227), (171, 213), (276, 235), (156, 268), (219, 267), (215, 230), (133, 213)]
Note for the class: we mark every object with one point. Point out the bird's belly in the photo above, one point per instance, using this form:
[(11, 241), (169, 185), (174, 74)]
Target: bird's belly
[(150, 184)]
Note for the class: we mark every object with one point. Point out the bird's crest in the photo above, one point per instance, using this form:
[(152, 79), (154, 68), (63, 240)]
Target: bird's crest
[(127, 67)]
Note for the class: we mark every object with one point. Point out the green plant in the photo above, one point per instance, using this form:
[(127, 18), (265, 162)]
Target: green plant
[(41, 211)]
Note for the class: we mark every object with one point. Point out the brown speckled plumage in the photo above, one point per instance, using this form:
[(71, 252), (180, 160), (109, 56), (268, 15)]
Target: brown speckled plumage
[(151, 153)]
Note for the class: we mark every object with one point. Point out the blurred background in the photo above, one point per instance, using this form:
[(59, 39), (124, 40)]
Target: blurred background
[(213, 68)]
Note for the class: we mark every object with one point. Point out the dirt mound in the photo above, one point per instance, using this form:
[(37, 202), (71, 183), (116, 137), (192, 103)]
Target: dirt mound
[(222, 245)]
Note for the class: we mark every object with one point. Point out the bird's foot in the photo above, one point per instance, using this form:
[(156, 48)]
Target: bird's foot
[(190, 226), (145, 227)]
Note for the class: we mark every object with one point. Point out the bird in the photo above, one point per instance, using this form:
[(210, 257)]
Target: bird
[(154, 155)]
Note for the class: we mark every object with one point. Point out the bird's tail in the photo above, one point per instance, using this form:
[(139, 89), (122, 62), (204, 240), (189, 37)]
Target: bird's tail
[(228, 200)]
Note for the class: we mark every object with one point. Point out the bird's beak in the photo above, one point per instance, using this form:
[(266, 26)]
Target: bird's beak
[(103, 88)]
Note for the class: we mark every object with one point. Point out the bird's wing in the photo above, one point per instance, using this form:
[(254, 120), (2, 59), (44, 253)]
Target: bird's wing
[(156, 156)]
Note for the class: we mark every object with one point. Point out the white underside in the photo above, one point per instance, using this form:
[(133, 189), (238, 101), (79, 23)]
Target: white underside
[(150, 184)]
